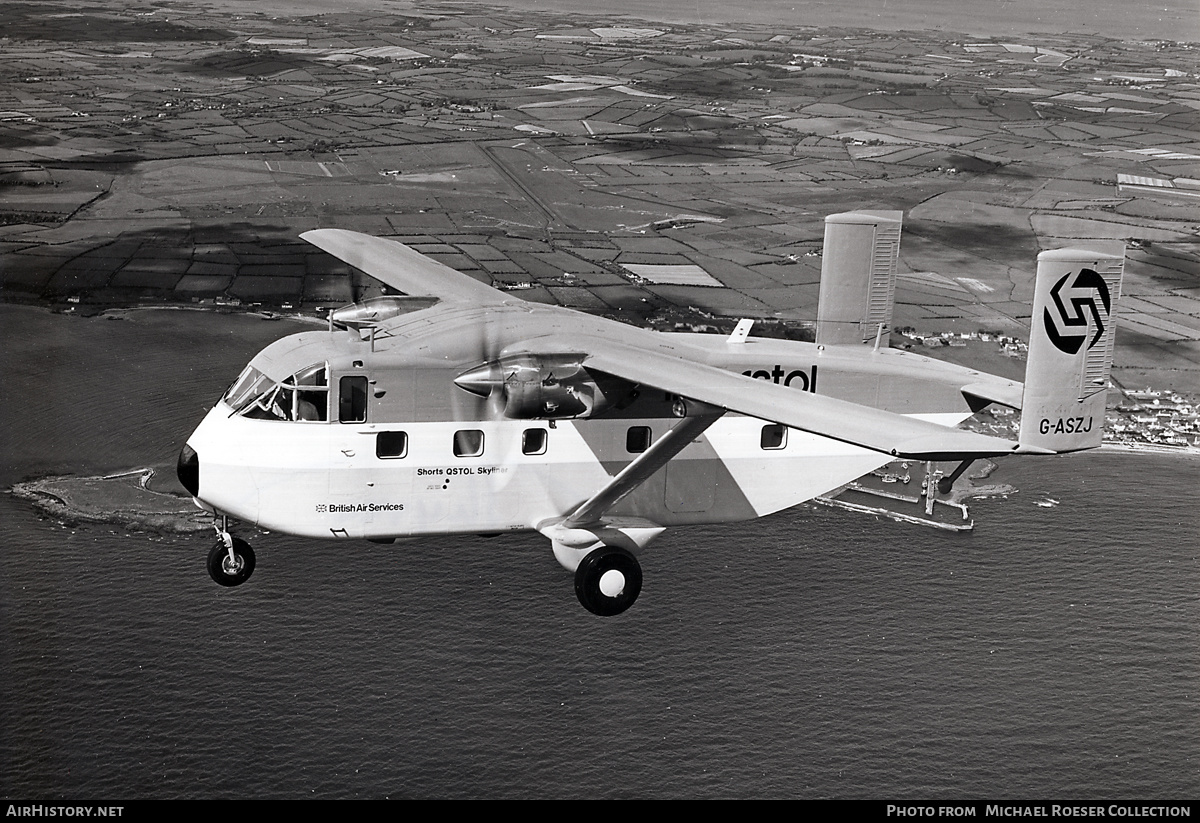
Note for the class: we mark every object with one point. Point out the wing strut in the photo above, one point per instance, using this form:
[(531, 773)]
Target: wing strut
[(699, 416)]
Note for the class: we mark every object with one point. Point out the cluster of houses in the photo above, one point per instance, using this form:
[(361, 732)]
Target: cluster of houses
[(1143, 418), (1154, 417), (1146, 417), (1009, 345)]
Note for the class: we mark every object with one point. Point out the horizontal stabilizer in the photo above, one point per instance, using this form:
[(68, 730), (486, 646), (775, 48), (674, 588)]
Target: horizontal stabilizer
[(1006, 393)]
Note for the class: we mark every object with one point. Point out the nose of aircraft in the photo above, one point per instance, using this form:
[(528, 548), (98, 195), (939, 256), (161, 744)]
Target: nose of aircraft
[(188, 470)]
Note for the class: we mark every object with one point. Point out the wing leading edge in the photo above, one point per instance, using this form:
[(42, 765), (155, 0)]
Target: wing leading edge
[(402, 268)]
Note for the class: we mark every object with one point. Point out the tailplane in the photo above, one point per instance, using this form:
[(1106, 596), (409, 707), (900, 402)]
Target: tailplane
[(1071, 339)]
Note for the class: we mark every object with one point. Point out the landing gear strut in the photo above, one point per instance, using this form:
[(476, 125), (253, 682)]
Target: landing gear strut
[(231, 561), (608, 580)]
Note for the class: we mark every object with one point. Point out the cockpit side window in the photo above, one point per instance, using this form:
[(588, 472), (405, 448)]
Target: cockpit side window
[(303, 396), (312, 393)]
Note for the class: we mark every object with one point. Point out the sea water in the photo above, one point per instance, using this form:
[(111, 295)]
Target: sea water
[(1051, 653)]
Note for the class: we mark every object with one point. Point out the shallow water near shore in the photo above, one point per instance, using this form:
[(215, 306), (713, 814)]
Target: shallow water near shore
[(1050, 653)]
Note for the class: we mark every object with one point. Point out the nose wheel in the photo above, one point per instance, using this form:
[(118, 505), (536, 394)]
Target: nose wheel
[(231, 561)]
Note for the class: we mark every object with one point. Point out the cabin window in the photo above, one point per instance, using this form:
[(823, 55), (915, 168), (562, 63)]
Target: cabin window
[(352, 399), (468, 443), (637, 439), (533, 441), (391, 444), (774, 436)]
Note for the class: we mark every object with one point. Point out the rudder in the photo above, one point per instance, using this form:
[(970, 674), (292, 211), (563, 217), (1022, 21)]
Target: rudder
[(858, 277)]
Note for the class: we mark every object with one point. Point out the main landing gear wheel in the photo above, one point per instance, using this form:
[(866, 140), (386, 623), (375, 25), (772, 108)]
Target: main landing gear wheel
[(231, 564), (608, 580)]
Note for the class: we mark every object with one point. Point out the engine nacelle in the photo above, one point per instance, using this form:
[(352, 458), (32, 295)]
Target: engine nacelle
[(546, 387), (374, 310)]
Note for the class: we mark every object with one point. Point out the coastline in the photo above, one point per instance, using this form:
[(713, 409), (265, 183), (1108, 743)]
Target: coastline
[(965, 488), (1011, 19), (124, 499), (1151, 448)]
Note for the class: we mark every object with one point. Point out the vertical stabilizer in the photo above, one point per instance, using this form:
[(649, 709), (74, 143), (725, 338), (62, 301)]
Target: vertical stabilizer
[(858, 277), (1071, 341)]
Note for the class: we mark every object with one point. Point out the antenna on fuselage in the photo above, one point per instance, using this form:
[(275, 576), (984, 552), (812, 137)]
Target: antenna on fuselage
[(742, 331)]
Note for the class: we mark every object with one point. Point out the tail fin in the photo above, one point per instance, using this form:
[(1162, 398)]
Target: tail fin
[(858, 277), (1070, 348)]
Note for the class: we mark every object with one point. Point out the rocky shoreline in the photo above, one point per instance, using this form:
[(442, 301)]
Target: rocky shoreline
[(124, 499), (966, 488)]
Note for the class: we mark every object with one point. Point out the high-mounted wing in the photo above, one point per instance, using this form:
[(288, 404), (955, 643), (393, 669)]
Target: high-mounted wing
[(403, 268), (647, 358)]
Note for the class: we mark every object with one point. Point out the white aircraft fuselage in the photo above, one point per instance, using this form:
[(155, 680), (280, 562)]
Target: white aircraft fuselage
[(400, 467)]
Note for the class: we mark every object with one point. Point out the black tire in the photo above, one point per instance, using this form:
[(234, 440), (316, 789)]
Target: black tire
[(219, 568), (593, 567)]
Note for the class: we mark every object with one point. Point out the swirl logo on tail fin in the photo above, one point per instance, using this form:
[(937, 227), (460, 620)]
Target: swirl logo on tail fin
[(1071, 328)]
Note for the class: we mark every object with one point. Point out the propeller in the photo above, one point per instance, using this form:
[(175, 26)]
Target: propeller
[(544, 386), (484, 394)]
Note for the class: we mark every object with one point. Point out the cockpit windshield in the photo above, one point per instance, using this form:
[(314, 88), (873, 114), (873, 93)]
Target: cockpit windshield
[(303, 396), (250, 384)]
